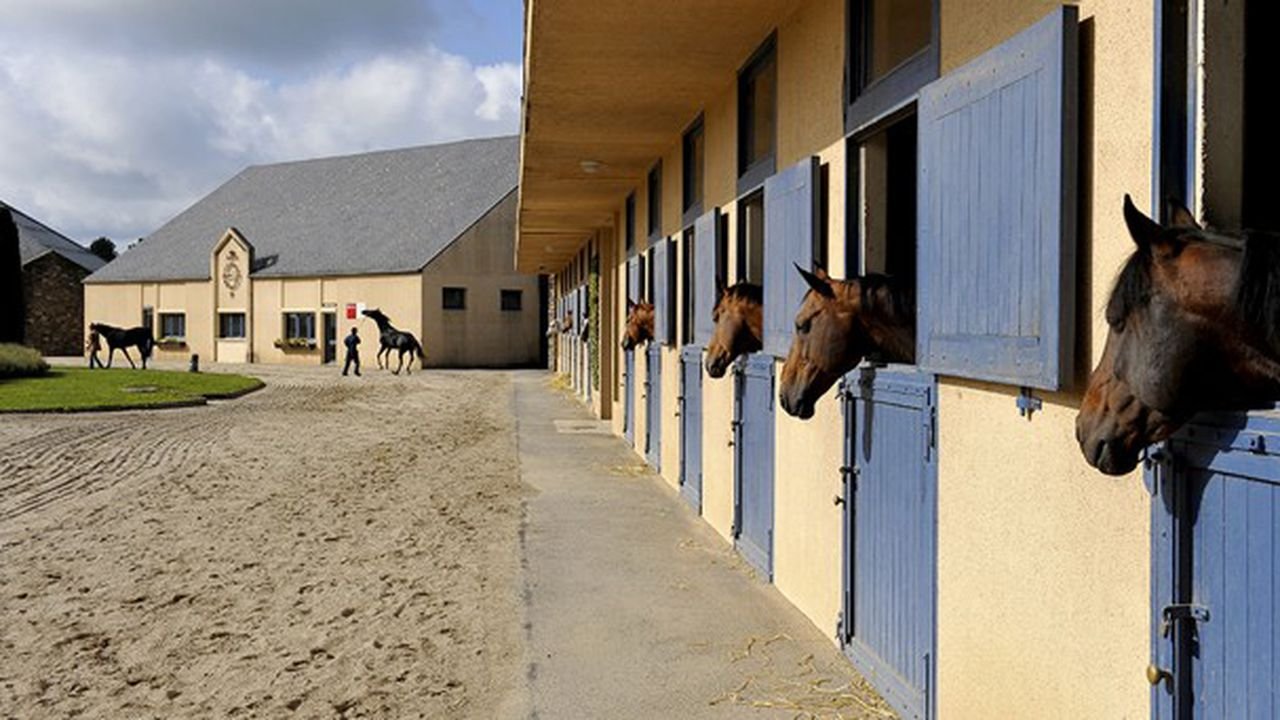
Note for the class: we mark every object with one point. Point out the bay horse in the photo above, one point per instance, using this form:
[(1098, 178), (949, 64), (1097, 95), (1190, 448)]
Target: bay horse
[(639, 329), (1193, 324), (122, 339), (839, 323), (739, 326), (390, 339)]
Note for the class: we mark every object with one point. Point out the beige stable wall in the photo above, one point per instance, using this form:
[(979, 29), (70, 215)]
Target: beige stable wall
[(396, 295), (482, 261), (232, 252), (1043, 563)]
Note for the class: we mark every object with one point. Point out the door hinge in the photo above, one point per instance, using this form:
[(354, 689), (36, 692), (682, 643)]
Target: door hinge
[(849, 476), (1174, 612), (840, 628), (1028, 403), (930, 432)]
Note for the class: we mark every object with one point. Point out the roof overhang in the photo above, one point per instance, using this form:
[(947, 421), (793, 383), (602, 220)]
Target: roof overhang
[(608, 85)]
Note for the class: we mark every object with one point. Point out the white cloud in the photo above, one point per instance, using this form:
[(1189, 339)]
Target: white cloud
[(100, 142)]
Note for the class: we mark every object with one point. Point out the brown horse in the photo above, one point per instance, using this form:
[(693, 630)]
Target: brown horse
[(840, 322), (639, 328), (1194, 325), (739, 326)]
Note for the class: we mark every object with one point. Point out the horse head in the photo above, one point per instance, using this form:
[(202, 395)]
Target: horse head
[(639, 329), (839, 323), (1191, 327), (739, 322)]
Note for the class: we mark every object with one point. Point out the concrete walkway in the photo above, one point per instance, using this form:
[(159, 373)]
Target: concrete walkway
[(635, 608)]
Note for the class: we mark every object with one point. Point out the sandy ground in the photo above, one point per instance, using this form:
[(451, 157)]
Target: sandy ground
[(325, 547)]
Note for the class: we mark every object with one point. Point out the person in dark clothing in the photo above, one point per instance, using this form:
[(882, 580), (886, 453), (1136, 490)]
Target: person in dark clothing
[(352, 342)]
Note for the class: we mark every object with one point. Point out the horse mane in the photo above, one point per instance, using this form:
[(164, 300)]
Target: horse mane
[(888, 295), (1258, 289), (1132, 289), (746, 291)]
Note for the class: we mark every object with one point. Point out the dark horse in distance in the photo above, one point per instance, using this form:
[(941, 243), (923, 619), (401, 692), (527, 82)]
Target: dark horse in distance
[(122, 339), (393, 339), (1194, 324), (839, 323)]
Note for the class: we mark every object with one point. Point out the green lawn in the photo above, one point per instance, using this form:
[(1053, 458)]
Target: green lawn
[(66, 389)]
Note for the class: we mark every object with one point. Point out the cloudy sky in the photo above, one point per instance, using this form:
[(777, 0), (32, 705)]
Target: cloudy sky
[(116, 115)]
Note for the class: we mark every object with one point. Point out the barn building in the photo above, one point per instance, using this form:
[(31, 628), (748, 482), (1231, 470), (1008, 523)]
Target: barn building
[(937, 518), (275, 265), (53, 266)]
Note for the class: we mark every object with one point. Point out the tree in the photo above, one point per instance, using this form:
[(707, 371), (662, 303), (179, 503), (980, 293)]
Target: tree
[(13, 320), (104, 248)]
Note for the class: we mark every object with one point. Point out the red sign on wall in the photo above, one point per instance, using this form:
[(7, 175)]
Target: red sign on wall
[(351, 311)]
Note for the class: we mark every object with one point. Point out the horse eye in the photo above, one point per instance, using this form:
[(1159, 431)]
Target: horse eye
[(802, 327)]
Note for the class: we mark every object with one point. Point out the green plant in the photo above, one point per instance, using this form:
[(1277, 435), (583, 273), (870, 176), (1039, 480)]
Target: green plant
[(295, 343), (21, 361), (593, 312)]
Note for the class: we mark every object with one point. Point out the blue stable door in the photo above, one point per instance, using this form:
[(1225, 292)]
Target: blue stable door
[(653, 406), (629, 396), (691, 425), (887, 625), (1216, 569), (753, 448)]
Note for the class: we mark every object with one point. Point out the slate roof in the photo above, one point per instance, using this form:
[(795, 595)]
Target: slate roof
[(375, 213), (35, 240)]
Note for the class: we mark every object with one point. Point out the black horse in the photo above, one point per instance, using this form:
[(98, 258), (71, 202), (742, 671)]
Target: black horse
[(123, 339), (393, 339)]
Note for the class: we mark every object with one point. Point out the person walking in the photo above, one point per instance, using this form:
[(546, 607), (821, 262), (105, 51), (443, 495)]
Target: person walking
[(93, 345), (352, 342)]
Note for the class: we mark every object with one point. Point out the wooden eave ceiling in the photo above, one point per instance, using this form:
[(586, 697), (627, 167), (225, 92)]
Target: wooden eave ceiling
[(616, 82)]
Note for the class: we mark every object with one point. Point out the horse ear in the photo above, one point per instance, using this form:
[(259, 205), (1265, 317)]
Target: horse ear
[(630, 304), (1142, 229), (819, 283), (821, 272), (1180, 216)]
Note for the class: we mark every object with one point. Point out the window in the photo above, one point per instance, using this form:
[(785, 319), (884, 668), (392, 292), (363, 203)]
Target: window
[(882, 190), (693, 159), (688, 279), (629, 228), (751, 238), (757, 115), (148, 317), (173, 325), (454, 298), (512, 300), (655, 200), (231, 325), (300, 326), (642, 293), (892, 52)]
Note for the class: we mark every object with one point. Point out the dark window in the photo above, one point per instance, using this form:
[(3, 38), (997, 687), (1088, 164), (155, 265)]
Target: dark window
[(629, 227), (173, 325), (148, 317), (669, 302), (655, 200), (642, 293), (891, 53), (693, 158), (882, 178), (757, 116), (454, 298), (300, 326), (687, 286), (722, 251), (751, 238), (512, 300), (231, 325), (647, 283)]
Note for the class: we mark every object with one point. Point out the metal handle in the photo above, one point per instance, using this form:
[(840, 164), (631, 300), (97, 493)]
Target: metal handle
[(837, 500), (730, 443), (1157, 674)]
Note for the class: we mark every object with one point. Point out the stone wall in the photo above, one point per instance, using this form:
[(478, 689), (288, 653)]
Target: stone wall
[(55, 305)]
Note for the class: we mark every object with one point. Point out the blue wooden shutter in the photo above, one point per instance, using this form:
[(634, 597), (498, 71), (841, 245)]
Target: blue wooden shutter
[(658, 266), (997, 207), (706, 232), (790, 220)]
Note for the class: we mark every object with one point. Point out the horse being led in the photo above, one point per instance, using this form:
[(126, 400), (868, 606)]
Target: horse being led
[(840, 322), (1194, 325), (122, 339), (392, 339), (739, 326), (639, 329)]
